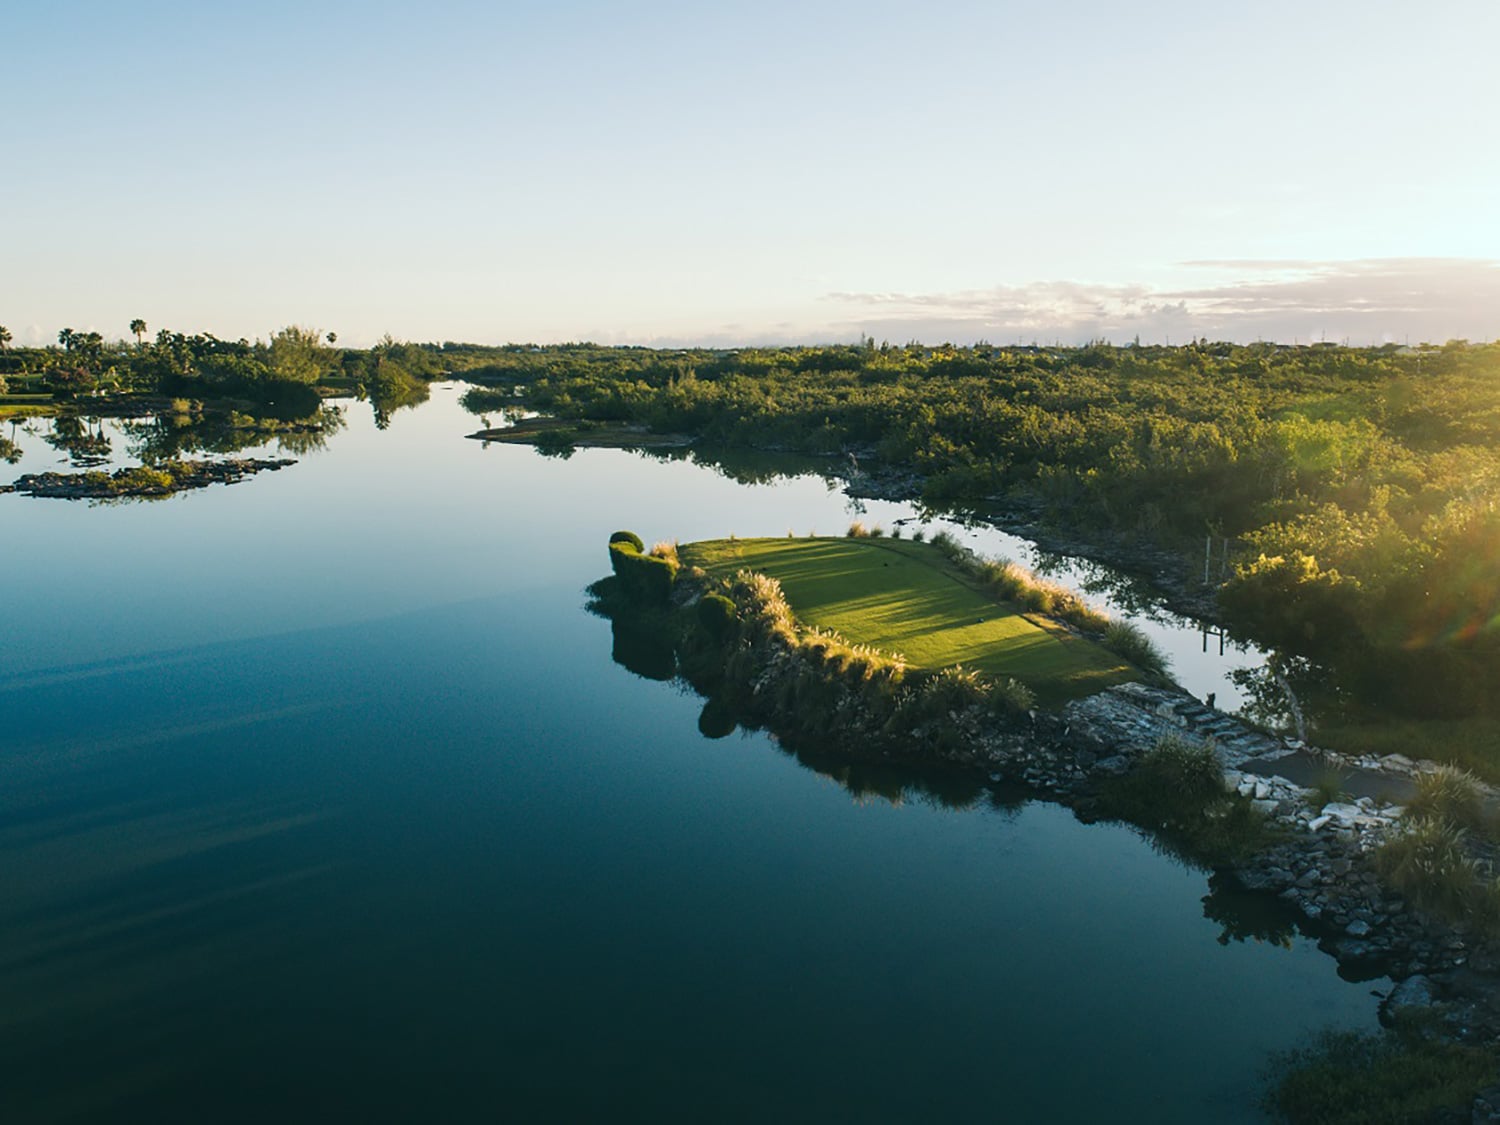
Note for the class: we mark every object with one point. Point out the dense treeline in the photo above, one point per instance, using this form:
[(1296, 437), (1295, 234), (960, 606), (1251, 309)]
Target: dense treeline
[(286, 369), (1358, 484)]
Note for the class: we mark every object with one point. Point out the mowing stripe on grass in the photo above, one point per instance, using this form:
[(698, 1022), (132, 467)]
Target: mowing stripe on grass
[(904, 597)]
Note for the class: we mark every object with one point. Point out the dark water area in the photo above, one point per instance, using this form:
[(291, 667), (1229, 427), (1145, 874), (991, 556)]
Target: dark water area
[(321, 797)]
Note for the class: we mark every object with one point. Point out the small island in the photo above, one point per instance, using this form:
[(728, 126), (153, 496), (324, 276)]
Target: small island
[(146, 482)]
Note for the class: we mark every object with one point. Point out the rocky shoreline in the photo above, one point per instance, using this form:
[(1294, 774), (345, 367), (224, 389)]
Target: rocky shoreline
[(144, 481)]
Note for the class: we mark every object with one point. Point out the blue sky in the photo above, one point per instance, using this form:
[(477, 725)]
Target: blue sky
[(737, 172)]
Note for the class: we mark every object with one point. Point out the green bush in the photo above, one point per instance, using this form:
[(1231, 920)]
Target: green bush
[(1123, 638), (1182, 771), (1177, 789), (643, 577), (1428, 863), (1390, 1077), (1010, 696), (718, 616), (631, 538), (1452, 795)]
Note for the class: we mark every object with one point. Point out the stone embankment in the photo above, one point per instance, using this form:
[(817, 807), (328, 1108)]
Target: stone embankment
[(1324, 865)]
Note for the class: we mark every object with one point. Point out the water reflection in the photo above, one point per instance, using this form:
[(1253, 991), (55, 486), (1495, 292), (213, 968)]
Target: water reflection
[(177, 434), (82, 439), (1246, 915)]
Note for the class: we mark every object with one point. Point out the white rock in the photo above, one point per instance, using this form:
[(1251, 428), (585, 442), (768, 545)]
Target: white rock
[(1340, 811), (1318, 822)]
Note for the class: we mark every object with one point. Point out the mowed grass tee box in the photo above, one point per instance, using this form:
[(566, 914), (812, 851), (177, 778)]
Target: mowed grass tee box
[(905, 597)]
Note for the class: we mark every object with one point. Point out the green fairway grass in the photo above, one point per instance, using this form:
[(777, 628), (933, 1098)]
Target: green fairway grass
[(904, 597)]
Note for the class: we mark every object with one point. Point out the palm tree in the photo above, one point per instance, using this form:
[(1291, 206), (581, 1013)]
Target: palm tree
[(66, 338), (5, 339), (138, 327)]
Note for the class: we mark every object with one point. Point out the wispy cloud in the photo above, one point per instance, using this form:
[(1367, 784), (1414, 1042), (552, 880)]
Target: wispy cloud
[(1364, 301)]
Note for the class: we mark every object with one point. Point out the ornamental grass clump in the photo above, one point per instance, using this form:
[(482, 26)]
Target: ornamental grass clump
[(1428, 864), (1450, 795), (1011, 697), (1008, 581), (1126, 639), (1177, 789), (941, 695), (764, 606)]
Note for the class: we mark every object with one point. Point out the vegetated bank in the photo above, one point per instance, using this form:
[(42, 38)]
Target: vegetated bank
[(1404, 891), (179, 394), (155, 481), (1353, 487)]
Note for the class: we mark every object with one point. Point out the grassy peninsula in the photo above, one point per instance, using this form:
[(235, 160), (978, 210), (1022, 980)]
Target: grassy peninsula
[(899, 596)]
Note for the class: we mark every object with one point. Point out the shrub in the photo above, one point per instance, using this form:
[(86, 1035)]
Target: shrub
[(1124, 638), (857, 530), (918, 536), (1011, 696), (1428, 864), (950, 546), (644, 577), (938, 695), (665, 550), (1382, 1078), (629, 537), (1452, 795), (718, 616), (1177, 788), (1182, 771), (1327, 787)]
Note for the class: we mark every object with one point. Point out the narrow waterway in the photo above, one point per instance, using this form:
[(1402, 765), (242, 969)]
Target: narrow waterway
[(321, 796)]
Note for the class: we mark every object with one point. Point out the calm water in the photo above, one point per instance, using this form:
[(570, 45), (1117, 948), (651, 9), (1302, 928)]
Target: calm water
[(320, 795)]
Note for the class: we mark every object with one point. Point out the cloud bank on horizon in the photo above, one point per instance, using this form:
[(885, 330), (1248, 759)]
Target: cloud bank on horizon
[(1372, 301)]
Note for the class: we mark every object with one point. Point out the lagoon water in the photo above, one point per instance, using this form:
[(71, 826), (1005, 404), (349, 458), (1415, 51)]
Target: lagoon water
[(321, 796)]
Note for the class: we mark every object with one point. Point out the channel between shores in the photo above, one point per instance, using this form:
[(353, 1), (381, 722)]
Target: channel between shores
[(1172, 582), (1320, 858)]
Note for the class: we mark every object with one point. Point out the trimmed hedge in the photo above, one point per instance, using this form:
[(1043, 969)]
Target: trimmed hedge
[(629, 537), (643, 577)]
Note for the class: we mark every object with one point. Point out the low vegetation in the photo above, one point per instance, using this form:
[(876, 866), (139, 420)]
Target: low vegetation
[(1434, 861), (647, 577), (288, 370), (1176, 790), (1392, 1077)]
